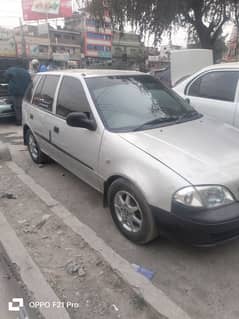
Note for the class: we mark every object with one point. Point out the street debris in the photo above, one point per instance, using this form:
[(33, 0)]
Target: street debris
[(81, 272), (45, 237), (99, 262), (28, 229), (41, 165), (73, 268), (144, 271), (23, 221), (42, 222), (115, 308), (8, 196)]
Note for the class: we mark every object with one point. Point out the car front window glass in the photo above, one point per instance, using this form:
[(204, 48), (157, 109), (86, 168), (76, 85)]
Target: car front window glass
[(71, 97), (126, 102)]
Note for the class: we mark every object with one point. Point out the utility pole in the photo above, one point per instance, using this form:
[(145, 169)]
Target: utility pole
[(23, 40)]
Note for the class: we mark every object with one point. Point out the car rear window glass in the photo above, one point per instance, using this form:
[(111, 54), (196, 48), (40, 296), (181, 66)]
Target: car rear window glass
[(218, 85), (37, 94), (71, 97), (45, 92), (30, 89)]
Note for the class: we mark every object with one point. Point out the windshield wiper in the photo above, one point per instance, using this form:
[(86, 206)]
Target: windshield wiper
[(189, 115), (156, 121)]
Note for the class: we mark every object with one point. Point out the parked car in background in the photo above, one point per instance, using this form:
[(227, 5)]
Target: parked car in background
[(161, 166), (6, 108), (214, 91)]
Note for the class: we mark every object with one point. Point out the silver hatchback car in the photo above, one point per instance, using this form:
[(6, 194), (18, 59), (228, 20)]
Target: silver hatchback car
[(162, 167)]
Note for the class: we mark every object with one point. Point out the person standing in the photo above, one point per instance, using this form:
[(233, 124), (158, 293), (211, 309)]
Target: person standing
[(34, 67), (18, 80)]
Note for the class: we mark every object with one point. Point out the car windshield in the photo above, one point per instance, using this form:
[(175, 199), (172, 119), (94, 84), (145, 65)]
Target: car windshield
[(137, 102)]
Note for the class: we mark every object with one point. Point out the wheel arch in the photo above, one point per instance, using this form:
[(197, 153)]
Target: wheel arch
[(111, 180)]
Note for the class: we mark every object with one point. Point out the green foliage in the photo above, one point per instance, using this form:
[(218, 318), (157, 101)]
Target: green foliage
[(206, 17)]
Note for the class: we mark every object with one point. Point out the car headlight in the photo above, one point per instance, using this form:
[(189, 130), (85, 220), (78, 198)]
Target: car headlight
[(210, 196)]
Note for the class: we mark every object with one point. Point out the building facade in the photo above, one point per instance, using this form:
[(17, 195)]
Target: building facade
[(127, 49), (96, 36), (44, 44), (67, 43)]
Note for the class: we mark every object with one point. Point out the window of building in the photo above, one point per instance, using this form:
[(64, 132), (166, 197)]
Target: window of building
[(43, 49), (45, 92), (90, 22), (98, 36), (71, 98), (214, 85), (118, 50), (93, 47), (133, 52), (107, 25)]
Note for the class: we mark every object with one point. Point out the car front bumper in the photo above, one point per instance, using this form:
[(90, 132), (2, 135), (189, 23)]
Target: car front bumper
[(199, 227)]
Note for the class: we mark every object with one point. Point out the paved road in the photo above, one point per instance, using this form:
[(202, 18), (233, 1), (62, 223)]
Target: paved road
[(204, 282)]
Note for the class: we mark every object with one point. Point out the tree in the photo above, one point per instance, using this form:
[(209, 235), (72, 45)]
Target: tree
[(205, 17)]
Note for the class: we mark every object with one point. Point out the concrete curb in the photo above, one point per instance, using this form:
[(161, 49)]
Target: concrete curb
[(5, 154), (153, 296), (28, 271)]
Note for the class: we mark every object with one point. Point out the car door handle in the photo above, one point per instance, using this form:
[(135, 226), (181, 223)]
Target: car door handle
[(31, 117), (56, 129)]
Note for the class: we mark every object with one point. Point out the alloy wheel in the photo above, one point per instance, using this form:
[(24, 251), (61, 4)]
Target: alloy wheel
[(128, 211)]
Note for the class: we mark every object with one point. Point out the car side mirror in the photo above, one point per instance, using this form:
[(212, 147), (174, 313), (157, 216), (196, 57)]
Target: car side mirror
[(187, 100), (80, 119)]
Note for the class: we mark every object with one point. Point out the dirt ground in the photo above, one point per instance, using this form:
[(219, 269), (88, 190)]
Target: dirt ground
[(75, 271)]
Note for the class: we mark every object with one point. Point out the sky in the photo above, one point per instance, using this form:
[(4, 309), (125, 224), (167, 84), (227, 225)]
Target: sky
[(11, 11)]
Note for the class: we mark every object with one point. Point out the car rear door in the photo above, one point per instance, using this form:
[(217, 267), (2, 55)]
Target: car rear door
[(214, 94), (77, 149), (40, 113)]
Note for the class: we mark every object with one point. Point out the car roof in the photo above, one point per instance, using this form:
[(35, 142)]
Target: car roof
[(94, 72), (232, 65), (220, 66)]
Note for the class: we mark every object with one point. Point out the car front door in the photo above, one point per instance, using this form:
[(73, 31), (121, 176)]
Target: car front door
[(75, 148), (214, 94)]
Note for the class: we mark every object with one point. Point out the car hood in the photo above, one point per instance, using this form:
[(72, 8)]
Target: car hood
[(202, 151)]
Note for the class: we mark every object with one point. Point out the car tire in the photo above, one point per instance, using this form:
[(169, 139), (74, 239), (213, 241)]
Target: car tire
[(131, 212), (35, 152)]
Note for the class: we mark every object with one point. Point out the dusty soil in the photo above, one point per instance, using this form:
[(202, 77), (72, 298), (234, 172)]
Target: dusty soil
[(74, 270)]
